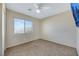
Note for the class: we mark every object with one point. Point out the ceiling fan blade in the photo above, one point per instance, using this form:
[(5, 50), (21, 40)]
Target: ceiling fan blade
[(45, 7), (41, 6), (36, 6)]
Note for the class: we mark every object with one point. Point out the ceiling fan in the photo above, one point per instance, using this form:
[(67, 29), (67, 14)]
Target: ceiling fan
[(41, 6)]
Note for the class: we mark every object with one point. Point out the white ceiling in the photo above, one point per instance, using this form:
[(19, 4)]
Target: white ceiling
[(54, 9)]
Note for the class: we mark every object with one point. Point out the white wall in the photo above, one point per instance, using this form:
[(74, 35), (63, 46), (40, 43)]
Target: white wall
[(60, 28), (0, 29), (15, 39), (77, 40)]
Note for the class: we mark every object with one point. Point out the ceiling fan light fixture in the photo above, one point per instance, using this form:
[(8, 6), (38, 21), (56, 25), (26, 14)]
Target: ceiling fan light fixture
[(38, 11)]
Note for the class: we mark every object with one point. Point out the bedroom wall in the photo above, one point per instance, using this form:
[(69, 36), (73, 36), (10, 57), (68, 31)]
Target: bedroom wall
[(0, 29), (60, 28), (16, 39)]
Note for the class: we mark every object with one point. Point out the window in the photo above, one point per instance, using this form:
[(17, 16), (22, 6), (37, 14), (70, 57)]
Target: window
[(28, 26), (22, 26), (18, 26)]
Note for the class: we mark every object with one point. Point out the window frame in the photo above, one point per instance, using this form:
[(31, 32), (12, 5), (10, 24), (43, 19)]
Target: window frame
[(24, 25)]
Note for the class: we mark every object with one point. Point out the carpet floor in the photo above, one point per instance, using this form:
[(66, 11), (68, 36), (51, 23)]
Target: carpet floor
[(41, 48)]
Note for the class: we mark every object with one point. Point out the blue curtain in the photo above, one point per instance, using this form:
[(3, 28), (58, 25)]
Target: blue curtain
[(75, 11)]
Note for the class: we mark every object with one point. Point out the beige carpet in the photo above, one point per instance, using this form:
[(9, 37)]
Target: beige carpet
[(41, 48)]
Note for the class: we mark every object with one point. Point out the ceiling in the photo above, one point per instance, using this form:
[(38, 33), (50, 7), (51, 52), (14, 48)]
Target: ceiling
[(30, 9)]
